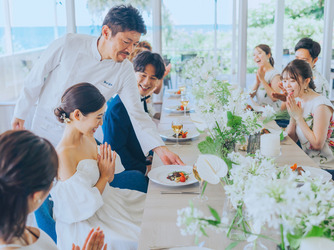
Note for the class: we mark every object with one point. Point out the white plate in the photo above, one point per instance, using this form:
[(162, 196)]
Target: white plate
[(174, 109), (159, 175), (168, 135), (318, 173), (172, 92)]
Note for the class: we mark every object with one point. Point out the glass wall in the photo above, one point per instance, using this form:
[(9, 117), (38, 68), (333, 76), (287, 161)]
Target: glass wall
[(89, 15), (188, 30), (304, 18), (35, 28), (2, 29), (34, 25)]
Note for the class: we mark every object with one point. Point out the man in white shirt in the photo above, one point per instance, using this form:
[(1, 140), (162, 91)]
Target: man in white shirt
[(102, 62)]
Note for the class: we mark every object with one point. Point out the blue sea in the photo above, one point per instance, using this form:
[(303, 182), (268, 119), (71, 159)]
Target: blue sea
[(25, 38)]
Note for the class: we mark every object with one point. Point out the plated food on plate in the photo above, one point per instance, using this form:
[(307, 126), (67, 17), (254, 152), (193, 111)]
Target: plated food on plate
[(178, 176), (311, 171), (171, 175), (182, 134), (295, 167), (179, 109)]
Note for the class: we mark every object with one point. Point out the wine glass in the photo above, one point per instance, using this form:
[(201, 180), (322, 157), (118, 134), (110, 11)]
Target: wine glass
[(184, 102), (177, 127), (202, 184), (182, 88)]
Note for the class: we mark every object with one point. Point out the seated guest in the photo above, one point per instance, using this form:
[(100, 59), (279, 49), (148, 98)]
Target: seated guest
[(149, 68), (82, 196), (146, 46), (141, 46), (26, 177), (309, 50), (311, 114), (267, 78), (117, 127)]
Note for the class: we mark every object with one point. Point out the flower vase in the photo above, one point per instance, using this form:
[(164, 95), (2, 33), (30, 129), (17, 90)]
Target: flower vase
[(227, 148), (230, 218), (253, 143)]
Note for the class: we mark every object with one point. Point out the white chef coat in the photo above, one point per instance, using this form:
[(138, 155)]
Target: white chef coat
[(73, 59)]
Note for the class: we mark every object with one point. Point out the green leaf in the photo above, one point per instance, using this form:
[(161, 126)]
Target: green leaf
[(228, 162), (315, 232), (294, 240), (232, 245), (214, 213), (281, 136), (204, 187), (203, 231), (208, 146), (233, 121)]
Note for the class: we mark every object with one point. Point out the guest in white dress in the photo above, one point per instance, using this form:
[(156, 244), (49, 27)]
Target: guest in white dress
[(28, 165), (267, 78), (311, 114), (309, 50), (82, 197)]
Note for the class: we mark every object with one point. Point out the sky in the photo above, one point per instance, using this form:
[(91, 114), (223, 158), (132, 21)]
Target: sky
[(183, 12)]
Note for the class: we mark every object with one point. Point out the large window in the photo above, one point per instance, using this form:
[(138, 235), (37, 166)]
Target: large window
[(35, 23), (2, 29), (29, 27), (89, 15)]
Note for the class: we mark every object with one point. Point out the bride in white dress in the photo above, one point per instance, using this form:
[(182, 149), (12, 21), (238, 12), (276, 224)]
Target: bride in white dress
[(82, 197)]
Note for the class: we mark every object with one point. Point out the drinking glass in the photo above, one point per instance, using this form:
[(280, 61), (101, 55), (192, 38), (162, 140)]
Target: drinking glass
[(202, 184), (184, 102), (177, 127), (182, 88)]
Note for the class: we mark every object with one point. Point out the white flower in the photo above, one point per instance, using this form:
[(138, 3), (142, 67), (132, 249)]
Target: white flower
[(211, 168)]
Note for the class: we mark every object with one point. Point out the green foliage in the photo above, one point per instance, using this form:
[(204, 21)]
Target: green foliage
[(225, 140)]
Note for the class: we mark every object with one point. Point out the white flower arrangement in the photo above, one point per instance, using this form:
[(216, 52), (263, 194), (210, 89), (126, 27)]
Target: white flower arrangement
[(276, 197)]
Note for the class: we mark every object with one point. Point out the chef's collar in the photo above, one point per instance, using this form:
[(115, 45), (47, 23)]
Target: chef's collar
[(95, 51)]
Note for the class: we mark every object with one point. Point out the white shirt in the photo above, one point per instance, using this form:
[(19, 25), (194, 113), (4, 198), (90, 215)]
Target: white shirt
[(262, 95), (73, 59), (320, 82)]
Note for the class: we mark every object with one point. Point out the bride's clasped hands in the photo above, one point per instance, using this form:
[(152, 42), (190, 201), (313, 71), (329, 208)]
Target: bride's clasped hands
[(106, 162)]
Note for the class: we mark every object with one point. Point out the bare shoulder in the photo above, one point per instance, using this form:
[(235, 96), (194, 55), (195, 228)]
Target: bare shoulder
[(67, 162)]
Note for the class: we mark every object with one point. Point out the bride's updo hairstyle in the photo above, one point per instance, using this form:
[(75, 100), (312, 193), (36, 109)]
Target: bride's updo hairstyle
[(28, 163), (299, 68), (83, 96)]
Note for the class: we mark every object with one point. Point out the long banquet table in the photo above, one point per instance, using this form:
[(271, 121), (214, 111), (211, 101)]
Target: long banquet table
[(158, 229)]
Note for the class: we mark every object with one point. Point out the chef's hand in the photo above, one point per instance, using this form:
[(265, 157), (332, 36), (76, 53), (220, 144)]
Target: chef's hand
[(17, 124), (167, 156)]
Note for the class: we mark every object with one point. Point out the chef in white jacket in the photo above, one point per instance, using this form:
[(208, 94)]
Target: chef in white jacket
[(102, 62)]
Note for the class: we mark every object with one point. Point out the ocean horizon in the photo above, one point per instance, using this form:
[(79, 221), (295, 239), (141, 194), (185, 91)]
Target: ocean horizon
[(25, 38)]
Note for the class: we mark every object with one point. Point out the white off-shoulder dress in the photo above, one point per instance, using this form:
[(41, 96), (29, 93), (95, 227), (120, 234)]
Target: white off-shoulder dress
[(79, 206)]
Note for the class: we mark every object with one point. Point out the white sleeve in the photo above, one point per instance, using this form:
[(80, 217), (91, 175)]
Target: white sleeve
[(142, 123), (34, 82)]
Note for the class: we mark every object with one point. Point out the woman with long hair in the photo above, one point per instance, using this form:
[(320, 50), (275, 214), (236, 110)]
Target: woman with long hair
[(267, 78), (311, 114)]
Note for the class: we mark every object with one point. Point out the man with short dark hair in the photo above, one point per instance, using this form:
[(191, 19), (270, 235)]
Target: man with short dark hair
[(309, 50), (100, 61), (117, 128)]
